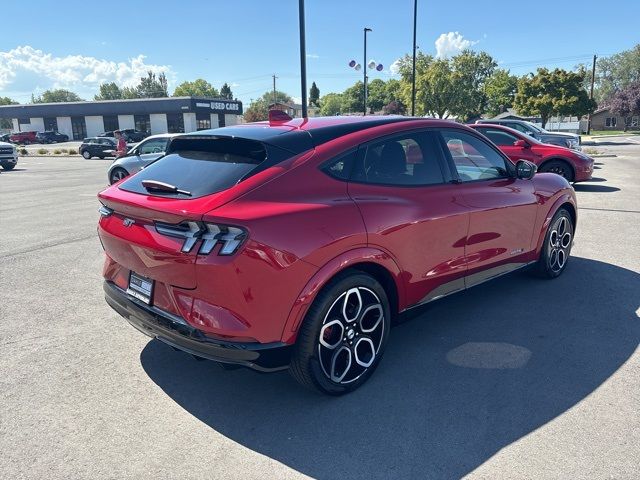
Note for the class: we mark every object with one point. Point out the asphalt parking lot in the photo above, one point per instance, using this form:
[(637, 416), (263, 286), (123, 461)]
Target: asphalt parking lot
[(518, 378)]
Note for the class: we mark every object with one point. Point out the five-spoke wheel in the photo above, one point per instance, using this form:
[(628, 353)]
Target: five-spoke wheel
[(557, 247), (343, 336)]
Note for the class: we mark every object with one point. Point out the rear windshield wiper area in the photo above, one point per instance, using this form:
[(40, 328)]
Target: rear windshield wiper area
[(156, 186)]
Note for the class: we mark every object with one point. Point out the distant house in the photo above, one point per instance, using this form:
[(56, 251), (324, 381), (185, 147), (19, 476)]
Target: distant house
[(604, 119), (294, 109)]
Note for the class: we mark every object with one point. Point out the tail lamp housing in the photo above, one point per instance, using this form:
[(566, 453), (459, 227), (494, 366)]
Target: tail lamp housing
[(209, 234)]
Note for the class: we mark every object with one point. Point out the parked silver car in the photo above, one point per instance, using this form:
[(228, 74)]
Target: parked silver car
[(141, 155)]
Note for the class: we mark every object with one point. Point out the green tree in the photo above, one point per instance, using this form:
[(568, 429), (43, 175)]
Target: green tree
[(259, 109), (614, 73), (5, 122), (314, 94), (130, 92), (393, 90), (553, 92), (353, 99), (376, 95), (197, 88), (471, 70), (331, 104), (500, 90), (152, 86), (56, 96), (225, 92), (109, 91), (436, 90)]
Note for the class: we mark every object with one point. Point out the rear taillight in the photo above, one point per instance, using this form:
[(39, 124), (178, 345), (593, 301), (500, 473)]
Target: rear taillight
[(230, 238)]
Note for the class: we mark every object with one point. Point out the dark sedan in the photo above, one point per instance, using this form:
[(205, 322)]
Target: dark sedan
[(51, 137)]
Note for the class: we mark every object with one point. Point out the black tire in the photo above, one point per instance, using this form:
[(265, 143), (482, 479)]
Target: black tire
[(86, 155), (101, 157), (8, 166), (351, 337), (556, 248), (115, 175), (559, 167)]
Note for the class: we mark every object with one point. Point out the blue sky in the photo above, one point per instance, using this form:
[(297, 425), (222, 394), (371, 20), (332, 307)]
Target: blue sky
[(77, 45)]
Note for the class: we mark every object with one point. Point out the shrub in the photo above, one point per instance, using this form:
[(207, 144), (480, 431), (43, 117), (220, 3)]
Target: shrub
[(41, 151), (72, 152), (23, 151), (64, 150), (57, 152)]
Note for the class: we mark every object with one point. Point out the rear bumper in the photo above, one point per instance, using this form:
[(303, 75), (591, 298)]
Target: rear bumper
[(176, 332)]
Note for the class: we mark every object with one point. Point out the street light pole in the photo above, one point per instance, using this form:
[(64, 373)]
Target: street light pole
[(364, 68), (413, 68), (303, 59)]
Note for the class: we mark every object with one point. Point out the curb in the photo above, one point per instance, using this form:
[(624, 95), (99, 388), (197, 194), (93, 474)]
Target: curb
[(603, 155)]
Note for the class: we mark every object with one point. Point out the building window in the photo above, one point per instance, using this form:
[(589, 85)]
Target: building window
[(142, 123), (50, 124), (203, 121), (221, 120), (175, 123), (78, 127), (610, 122), (110, 123)]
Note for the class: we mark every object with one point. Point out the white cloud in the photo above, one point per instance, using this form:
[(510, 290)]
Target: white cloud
[(395, 67), (448, 44), (296, 99), (27, 69), (313, 55)]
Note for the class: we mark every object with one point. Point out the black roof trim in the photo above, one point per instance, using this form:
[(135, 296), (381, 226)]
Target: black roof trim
[(325, 134), (294, 139)]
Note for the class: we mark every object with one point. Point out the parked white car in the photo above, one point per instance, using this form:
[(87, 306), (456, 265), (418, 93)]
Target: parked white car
[(8, 156), (141, 155)]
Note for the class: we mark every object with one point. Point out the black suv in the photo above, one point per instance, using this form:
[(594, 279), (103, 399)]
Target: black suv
[(130, 135), (51, 137), (100, 147)]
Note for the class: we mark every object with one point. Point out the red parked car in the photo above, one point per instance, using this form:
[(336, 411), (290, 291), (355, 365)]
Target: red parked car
[(573, 165), (24, 138), (294, 243)]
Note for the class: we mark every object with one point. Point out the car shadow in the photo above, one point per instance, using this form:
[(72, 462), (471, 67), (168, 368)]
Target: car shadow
[(470, 375), (597, 179), (582, 187), (13, 170)]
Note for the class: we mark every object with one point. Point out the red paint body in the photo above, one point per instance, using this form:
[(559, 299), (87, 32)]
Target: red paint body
[(305, 226), (539, 153)]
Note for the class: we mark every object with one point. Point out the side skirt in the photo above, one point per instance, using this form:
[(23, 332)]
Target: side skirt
[(469, 281)]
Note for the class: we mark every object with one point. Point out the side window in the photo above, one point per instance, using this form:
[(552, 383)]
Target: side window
[(498, 136), (341, 166), (411, 159), (158, 145), (473, 158)]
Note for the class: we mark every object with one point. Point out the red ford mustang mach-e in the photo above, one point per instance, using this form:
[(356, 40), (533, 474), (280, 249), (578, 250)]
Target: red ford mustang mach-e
[(573, 165), (293, 244)]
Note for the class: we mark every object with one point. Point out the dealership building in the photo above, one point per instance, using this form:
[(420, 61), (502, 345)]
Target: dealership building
[(79, 120)]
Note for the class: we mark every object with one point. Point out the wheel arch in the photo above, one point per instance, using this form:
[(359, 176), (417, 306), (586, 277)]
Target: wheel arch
[(559, 159), (374, 262), (564, 201)]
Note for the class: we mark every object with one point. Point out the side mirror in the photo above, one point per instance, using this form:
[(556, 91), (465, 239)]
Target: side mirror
[(525, 169), (521, 144)]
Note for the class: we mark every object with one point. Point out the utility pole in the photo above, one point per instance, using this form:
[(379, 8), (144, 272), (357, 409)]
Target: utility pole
[(413, 68), (303, 59), (364, 68), (593, 79), (274, 90)]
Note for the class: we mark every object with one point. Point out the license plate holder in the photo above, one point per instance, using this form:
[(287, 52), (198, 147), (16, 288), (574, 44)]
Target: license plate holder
[(140, 287)]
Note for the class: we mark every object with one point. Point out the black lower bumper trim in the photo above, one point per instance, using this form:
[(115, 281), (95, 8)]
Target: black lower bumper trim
[(174, 331)]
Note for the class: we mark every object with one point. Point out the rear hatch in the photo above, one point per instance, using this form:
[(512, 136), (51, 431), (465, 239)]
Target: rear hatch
[(151, 222)]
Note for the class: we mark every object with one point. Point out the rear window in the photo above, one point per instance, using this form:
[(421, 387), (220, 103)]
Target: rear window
[(200, 166)]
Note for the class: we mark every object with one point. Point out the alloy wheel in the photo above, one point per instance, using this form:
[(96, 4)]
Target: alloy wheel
[(560, 238), (351, 335), (117, 175)]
